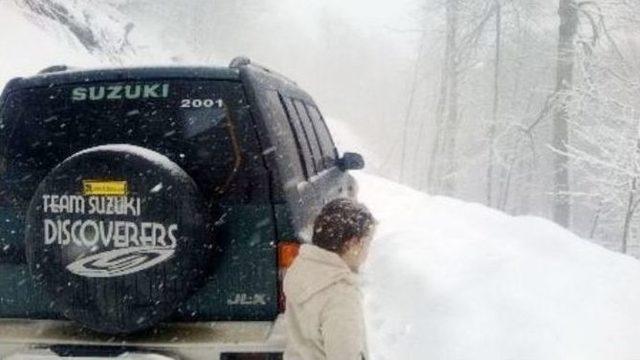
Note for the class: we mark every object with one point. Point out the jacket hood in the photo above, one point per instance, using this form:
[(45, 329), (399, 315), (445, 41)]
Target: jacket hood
[(314, 270)]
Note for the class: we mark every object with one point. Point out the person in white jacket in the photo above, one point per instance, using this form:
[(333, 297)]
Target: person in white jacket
[(324, 315)]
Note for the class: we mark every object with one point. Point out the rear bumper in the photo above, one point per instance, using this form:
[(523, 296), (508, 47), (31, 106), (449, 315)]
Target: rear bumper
[(176, 340)]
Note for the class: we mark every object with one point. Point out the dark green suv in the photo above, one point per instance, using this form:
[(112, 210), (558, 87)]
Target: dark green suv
[(153, 211)]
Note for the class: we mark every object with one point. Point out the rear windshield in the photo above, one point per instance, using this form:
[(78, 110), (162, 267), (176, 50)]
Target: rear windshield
[(194, 123)]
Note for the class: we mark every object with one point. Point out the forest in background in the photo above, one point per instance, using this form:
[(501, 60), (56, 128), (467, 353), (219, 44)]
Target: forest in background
[(534, 111), (527, 106)]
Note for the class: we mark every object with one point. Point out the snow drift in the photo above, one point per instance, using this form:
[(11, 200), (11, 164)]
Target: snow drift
[(453, 280)]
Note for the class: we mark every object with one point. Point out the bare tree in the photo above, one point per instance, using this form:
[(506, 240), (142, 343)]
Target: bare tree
[(462, 42), (568, 12), (446, 110), (496, 99)]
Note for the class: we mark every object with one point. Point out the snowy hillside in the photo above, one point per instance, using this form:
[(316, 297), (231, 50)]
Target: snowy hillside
[(88, 33), (33, 45)]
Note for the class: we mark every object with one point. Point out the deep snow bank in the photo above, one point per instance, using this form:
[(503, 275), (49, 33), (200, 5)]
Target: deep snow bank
[(453, 280)]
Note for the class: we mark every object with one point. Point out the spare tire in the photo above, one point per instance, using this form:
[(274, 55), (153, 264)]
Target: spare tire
[(118, 236)]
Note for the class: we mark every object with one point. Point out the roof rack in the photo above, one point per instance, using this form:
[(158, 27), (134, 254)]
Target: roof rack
[(240, 61), (54, 68)]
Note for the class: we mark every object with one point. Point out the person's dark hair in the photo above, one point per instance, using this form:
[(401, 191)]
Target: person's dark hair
[(339, 221)]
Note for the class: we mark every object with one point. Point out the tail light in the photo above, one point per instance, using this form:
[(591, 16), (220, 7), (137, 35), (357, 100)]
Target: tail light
[(287, 252)]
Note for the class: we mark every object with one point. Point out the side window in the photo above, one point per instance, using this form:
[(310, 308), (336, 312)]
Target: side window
[(299, 135), (286, 139), (3, 137), (329, 152), (4, 199), (311, 135)]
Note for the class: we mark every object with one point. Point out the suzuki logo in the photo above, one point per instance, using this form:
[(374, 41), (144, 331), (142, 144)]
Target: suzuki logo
[(119, 92)]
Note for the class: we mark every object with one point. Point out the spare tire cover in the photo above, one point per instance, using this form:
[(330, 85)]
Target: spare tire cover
[(118, 236)]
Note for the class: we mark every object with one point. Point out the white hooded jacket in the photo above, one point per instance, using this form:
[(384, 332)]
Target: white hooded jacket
[(324, 313)]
